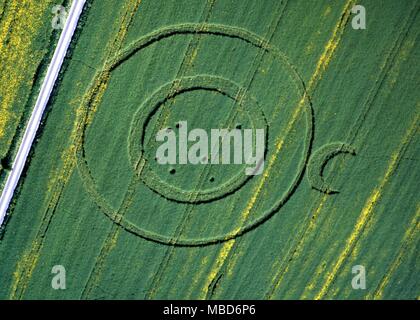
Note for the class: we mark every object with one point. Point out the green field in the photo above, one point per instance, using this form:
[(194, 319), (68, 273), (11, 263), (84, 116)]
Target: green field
[(125, 227), (27, 41)]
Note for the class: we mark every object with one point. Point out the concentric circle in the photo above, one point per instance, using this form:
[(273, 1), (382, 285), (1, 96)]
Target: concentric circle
[(158, 98), (191, 29)]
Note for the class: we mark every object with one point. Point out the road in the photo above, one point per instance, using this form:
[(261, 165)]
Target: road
[(41, 102)]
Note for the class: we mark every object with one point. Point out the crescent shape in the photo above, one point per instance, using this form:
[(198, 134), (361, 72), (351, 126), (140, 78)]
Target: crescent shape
[(320, 159)]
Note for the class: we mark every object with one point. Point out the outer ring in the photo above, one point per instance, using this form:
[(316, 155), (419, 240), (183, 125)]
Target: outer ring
[(192, 29)]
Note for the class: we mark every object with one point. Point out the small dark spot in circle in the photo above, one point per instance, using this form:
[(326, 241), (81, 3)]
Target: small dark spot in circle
[(178, 125), (212, 179), (172, 171), (238, 126)]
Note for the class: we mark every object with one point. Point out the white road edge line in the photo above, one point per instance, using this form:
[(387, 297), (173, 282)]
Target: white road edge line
[(41, 102)]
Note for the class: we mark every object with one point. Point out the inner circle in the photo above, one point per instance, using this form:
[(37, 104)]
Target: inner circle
[(150, 107)]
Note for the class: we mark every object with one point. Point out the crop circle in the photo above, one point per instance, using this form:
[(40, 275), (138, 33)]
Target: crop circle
[(192, 29)]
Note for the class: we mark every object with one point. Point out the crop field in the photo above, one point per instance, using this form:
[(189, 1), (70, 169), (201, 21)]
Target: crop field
[(26, 43), (340, 110)]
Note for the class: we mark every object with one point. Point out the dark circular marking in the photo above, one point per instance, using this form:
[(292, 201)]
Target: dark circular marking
[(320, 159)]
